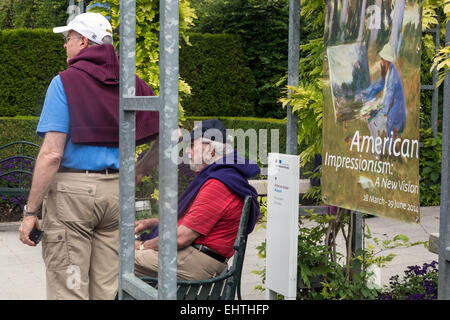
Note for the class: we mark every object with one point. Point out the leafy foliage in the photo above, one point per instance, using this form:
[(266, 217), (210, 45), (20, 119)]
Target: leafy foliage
[(442, 58), (430, 168), (306, 102), (33, 13)]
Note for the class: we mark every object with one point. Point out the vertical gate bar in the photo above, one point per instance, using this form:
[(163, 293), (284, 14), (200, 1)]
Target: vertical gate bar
[(444, 223), (127, 143), (435, 98), (293, 73), (168, 175), (81, 6)]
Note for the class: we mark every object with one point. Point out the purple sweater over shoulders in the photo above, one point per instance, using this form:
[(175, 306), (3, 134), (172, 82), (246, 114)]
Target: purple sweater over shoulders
[(91, 84)]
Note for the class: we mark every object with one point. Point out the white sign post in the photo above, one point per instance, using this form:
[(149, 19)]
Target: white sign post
[(282, 225)]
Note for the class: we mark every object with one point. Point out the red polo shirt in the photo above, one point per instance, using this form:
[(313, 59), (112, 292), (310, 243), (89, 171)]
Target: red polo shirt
[(215, 213)]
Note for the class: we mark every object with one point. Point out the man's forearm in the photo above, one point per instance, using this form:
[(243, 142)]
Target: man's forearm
[(47, 164), (44, 172)]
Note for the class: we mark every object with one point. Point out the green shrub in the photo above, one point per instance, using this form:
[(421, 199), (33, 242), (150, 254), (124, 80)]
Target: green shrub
[(29, 59), (215, 67), (263, 26), (19, 129), (430, 168)]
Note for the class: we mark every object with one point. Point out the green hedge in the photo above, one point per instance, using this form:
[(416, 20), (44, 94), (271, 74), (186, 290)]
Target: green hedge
[(216, 68), (24, 128), (18, 129), (29, 59)]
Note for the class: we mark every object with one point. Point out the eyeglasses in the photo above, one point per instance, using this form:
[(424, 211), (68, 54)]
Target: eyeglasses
[(67, 39), (203, 143)]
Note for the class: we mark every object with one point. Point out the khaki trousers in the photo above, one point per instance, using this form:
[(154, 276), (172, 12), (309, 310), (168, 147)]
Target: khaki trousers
[(192, 264), (81, 236)]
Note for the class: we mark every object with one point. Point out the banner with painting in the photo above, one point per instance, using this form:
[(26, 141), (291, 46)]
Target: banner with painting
[(371, 87)]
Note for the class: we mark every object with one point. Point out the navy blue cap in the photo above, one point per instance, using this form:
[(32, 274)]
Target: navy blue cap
[(215, 130)]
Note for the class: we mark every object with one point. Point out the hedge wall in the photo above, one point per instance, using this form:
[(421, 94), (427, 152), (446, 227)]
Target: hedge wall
[(29, 59), (18, 129), (24, 128), (216, 68)]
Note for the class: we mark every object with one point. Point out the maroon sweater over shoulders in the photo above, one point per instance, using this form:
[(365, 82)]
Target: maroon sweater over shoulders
[(91, 84)]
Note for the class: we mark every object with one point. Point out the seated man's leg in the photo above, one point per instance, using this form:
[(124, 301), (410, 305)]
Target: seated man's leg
[(191, 264), (196, 265), (146, 263)]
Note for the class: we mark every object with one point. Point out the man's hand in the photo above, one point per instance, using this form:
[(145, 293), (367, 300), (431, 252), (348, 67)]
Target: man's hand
[(27, 225), (45, 168), (146, 224), (146, 245), (140, 225)]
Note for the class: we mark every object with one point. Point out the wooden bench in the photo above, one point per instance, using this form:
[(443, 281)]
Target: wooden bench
[(228, 284)]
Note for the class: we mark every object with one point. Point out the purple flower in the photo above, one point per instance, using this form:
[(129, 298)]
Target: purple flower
[(415, 296)]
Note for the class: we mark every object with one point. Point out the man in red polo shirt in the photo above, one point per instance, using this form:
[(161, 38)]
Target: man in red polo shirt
[(209, 210)]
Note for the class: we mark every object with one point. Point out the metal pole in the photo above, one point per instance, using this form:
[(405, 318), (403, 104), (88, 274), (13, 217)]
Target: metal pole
[(168, 175), (293, 73), (127, 143), (444, 227), (167, 104), (435, 99), (81, 6)]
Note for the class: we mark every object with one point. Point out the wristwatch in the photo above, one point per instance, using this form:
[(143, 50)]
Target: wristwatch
[(27, 213)]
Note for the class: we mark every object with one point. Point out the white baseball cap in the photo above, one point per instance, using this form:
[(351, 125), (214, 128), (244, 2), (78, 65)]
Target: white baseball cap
[(92, 25)]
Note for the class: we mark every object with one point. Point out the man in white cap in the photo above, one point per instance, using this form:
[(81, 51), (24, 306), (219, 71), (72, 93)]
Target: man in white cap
[(393, 100), (76, 173)]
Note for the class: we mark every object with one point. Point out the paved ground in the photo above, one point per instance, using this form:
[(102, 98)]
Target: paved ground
[(22, 272)]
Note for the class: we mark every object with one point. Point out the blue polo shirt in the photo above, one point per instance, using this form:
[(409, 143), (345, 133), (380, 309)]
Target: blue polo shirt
[(55, 117)]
